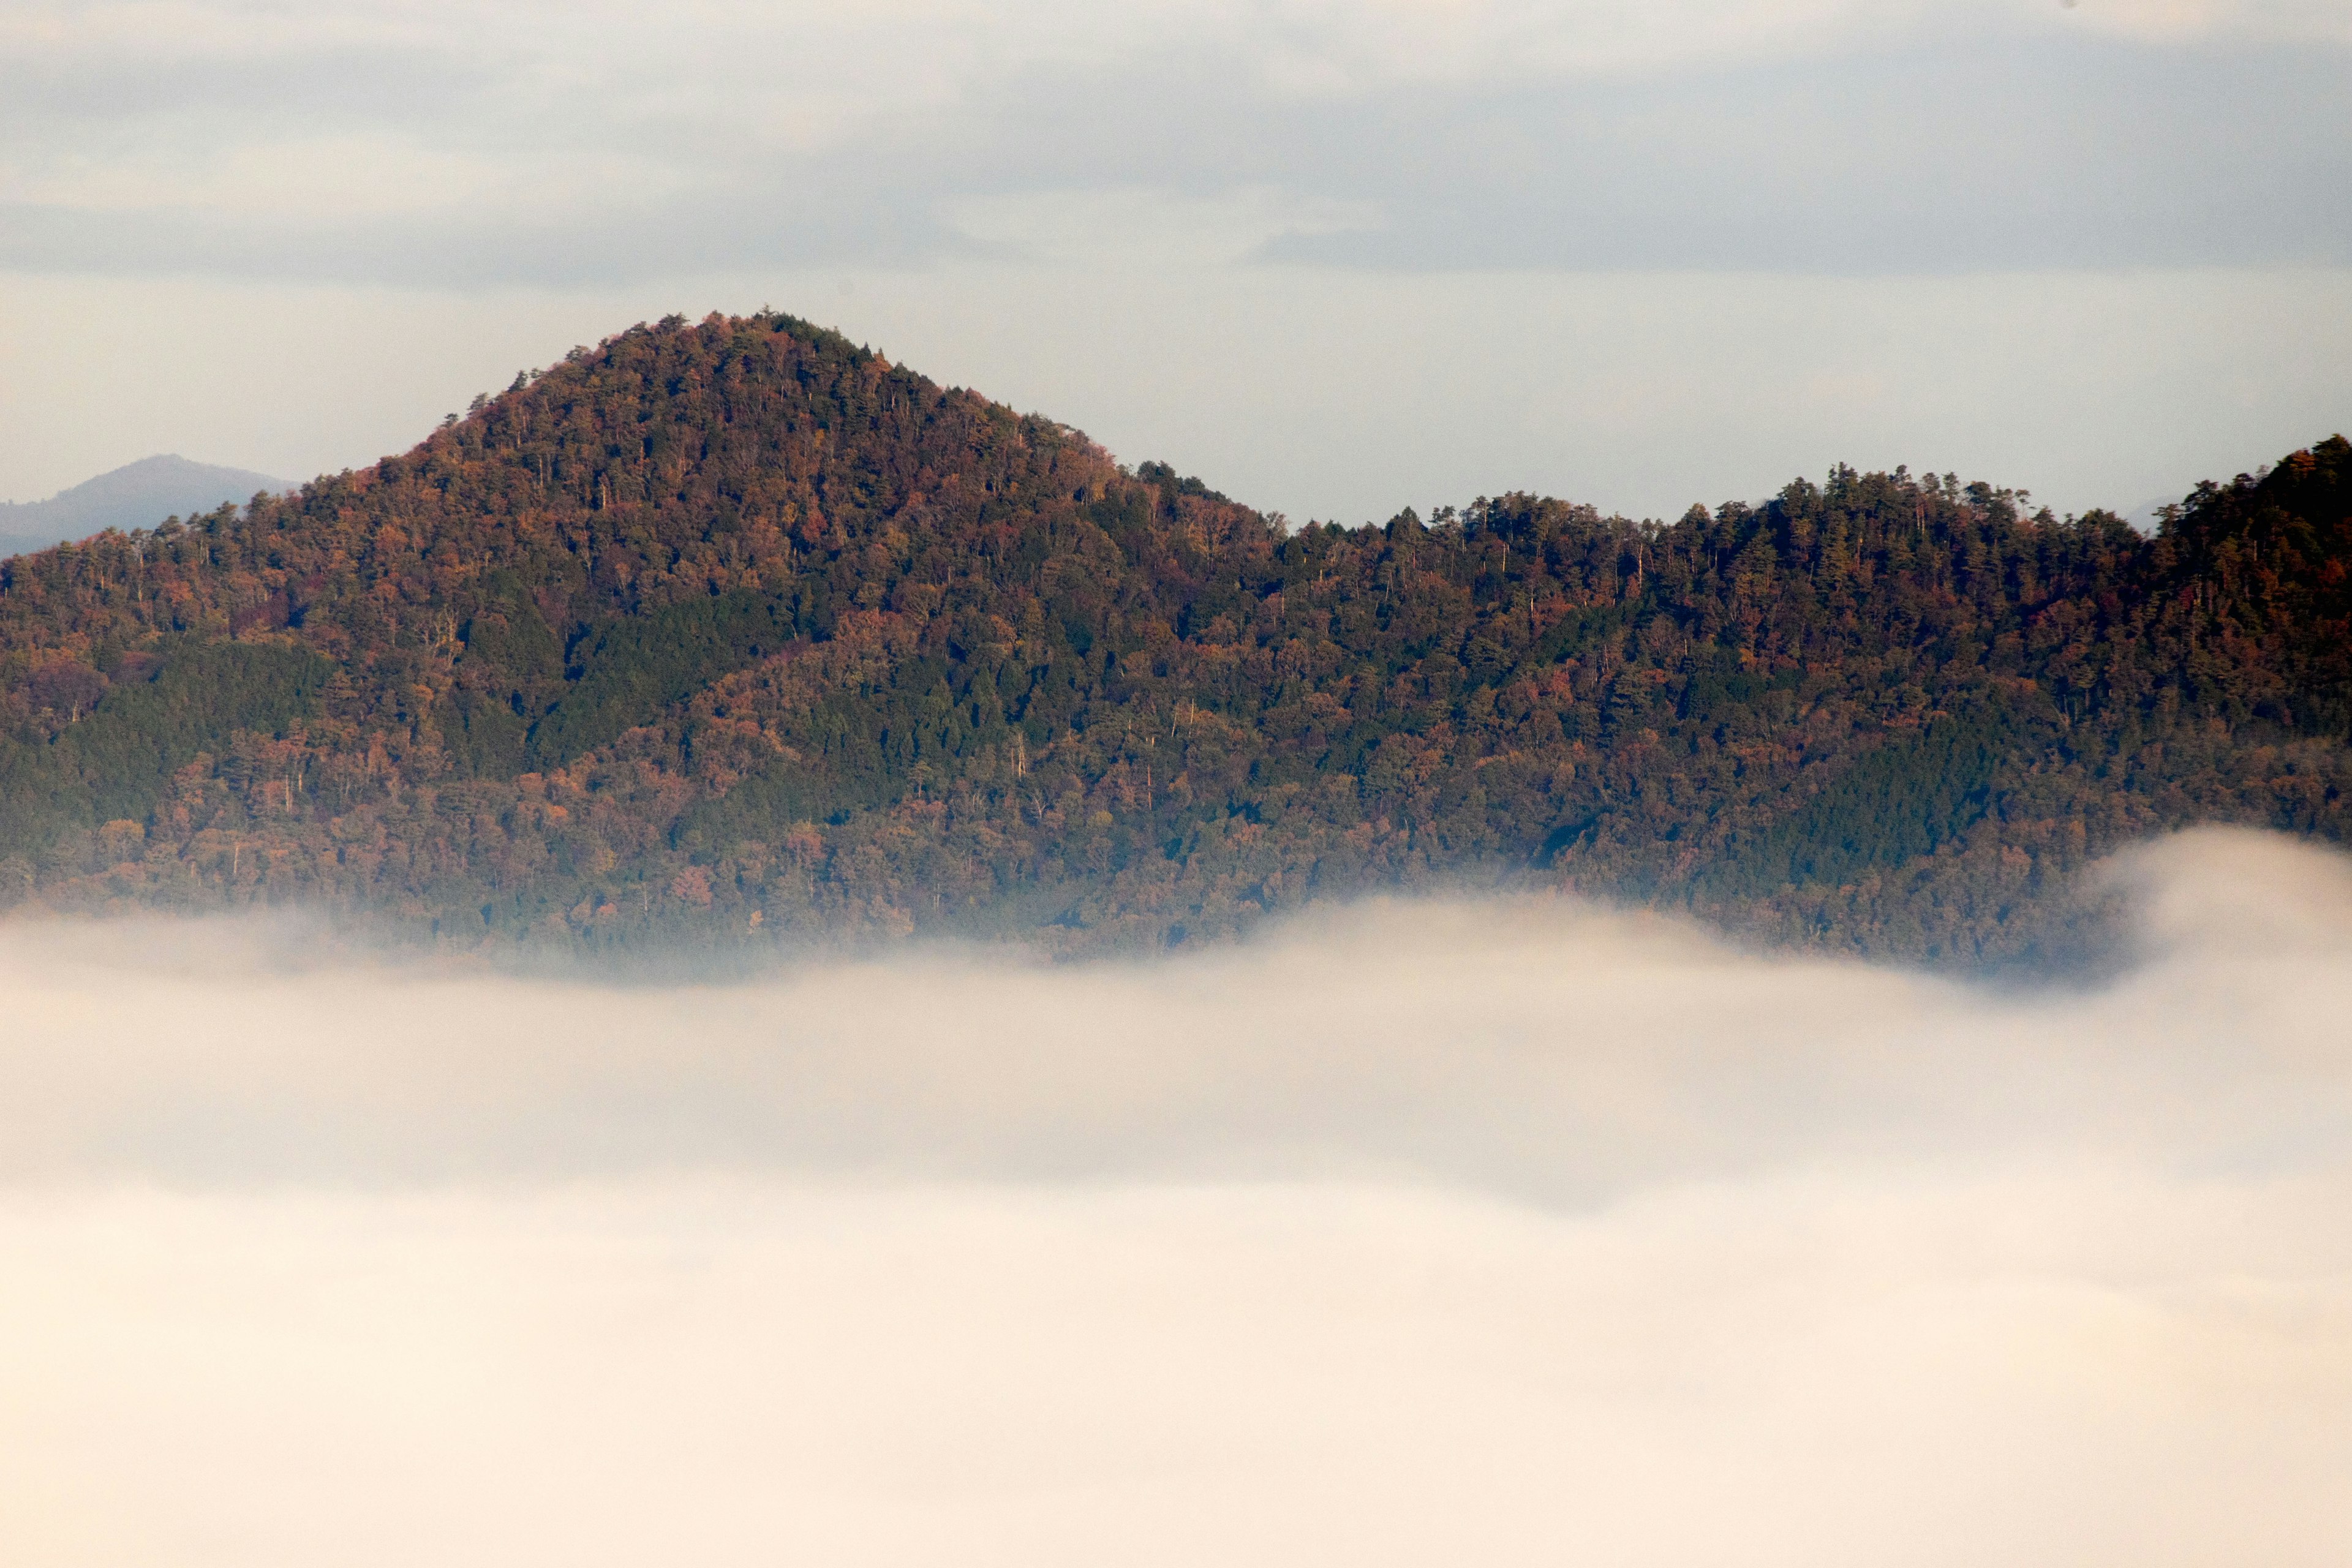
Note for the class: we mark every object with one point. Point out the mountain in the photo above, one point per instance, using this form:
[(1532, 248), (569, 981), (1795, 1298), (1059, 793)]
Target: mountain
[(137, 495), (736, 634)]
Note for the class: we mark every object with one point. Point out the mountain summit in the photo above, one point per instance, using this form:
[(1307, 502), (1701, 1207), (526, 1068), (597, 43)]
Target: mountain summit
[(736, 632)]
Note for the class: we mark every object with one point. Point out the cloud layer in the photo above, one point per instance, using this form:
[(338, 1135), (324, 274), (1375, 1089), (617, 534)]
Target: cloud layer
[(447, 145), (1415, 1233)]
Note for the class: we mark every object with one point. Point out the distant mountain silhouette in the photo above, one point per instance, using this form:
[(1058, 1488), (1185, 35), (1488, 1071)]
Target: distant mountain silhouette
[(137, 495)]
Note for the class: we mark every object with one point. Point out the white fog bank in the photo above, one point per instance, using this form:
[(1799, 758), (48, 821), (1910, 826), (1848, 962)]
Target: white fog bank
[(1413, 1234)]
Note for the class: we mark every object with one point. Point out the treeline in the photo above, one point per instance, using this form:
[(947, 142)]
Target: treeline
[(732, 630)]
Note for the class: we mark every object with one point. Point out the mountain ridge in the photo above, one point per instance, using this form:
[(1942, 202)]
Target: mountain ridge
[(733, 633)]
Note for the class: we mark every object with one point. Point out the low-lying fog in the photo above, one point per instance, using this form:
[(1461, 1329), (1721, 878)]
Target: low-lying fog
[(1413, 1234)]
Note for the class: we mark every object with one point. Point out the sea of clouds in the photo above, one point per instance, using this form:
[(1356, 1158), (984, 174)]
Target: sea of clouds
[(1413, 1232)]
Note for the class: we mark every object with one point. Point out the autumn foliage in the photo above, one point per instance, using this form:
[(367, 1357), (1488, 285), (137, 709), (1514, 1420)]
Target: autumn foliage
[(732, 631)]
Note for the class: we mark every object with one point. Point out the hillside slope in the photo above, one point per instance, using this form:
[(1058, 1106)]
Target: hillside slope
[(732, 632)]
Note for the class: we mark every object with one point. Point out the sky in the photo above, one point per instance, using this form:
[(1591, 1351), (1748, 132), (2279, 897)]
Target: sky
[(1335, 256), (1405, 1233)]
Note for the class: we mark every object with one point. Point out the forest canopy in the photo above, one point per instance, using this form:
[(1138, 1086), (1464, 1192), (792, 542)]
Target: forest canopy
[(734, 633)]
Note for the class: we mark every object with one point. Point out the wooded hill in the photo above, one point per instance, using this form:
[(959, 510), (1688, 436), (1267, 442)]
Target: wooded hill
[(733, 632)]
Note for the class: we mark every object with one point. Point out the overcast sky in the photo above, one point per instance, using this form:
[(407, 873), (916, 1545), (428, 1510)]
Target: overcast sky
[(1337, 257)]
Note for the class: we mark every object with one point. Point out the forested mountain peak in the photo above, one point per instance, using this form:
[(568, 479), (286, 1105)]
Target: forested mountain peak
[(733, 630)]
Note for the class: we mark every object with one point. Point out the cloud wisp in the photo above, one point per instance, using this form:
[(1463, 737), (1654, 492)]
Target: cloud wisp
[(1414, 1232)]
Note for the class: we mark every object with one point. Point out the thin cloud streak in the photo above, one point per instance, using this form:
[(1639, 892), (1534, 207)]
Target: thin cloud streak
[(1414, 1232)]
